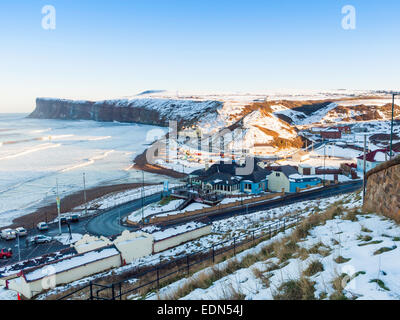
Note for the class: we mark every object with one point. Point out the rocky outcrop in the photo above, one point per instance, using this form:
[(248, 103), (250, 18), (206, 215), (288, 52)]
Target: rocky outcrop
[(383, 189), (147, 111)]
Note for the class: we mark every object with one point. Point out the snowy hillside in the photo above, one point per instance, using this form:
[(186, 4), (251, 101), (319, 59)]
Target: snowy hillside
[(338, 253)]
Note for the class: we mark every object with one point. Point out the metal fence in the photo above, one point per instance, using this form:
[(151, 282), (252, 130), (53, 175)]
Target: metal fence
[(183, 265)]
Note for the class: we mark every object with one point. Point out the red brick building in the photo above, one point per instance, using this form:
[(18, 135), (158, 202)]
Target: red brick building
[(331, 134)]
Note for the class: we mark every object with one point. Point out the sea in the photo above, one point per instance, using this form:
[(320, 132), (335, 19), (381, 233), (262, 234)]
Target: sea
[(38, 156)]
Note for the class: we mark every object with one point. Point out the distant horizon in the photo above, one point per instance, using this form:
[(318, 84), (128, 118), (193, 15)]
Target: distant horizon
[(205, 92)]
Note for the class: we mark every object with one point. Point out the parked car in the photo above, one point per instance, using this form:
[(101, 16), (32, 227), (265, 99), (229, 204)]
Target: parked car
[(5, 253), (63, 220), (74, 218), (40, 239), (8, 234), (21, 231), (42, 226)]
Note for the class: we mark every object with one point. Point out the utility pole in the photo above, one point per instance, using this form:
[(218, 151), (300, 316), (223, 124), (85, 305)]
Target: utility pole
[(19, 251), (58, 208), (364, 166), (391, 127), (84, 193), (324, 161), (142, 196)]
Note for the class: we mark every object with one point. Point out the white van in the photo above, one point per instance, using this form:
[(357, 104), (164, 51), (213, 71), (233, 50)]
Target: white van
[(8, 234)]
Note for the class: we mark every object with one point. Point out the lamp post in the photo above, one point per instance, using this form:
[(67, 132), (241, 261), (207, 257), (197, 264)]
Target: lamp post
[(391, 127)]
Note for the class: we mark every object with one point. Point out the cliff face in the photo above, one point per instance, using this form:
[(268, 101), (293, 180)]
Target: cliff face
[(383, 189), (147, 111)]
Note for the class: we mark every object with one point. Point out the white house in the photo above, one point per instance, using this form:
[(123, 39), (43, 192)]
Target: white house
[(278, 180), (372, 159)]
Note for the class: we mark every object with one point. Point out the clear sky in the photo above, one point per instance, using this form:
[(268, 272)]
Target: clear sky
[(107, 49)]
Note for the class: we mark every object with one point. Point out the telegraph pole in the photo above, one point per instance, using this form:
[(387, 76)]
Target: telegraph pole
[(19, 250), (391, 127), (364, 166), (84, 193), (324, 161), (58, 208), (142, 196)]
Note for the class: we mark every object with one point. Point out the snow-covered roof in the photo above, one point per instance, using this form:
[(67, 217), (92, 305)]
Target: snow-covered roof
[(296, 177), (68, 263), (170, 232), (379, 155)]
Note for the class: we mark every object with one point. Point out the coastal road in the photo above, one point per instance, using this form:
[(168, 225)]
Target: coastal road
[(108, 224), (293, 198)]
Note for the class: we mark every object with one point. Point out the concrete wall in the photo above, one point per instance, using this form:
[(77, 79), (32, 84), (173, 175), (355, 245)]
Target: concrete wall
[(383, 189), (303, 185), (134, 245), (167, 243), (30, 289), (89, 243)]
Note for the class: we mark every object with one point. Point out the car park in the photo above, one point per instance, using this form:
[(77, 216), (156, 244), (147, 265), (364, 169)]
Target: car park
[(40, 239), (8, 234), (21, 231), (5, 253), (42, 226)]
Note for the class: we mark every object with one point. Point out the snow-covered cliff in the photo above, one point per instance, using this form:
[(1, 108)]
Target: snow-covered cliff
[(147, 111)]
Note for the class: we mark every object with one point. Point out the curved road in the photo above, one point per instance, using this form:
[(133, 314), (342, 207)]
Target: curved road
[(107, 224)]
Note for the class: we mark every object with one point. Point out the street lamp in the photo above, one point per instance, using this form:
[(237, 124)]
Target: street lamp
[(391, 127)]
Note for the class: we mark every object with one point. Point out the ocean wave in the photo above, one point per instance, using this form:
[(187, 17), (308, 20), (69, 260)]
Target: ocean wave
[(88, 162), (38, 148)]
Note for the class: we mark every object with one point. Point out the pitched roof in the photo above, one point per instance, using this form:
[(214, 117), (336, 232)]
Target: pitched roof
[(198, 172), (379, 155), (257, 175), (287, 170), (221, 179), (222, 167), (396, 147)]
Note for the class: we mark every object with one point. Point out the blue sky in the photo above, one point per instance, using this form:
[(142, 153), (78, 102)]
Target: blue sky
[(107, 49)]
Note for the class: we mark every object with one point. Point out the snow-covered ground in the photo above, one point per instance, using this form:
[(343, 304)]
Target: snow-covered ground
[(117, 198), (152, 209), (161, 211), (222, 230), (66, 239), (370, 266)]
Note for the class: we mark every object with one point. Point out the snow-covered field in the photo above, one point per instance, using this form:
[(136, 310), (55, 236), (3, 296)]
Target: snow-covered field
[(34, 153), (152, 209), (369, 268)]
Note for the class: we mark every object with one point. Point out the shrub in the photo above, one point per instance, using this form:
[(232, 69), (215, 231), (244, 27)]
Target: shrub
[(313, 268), (384, 249), (341, 259), (302, 289), (380, 283)]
